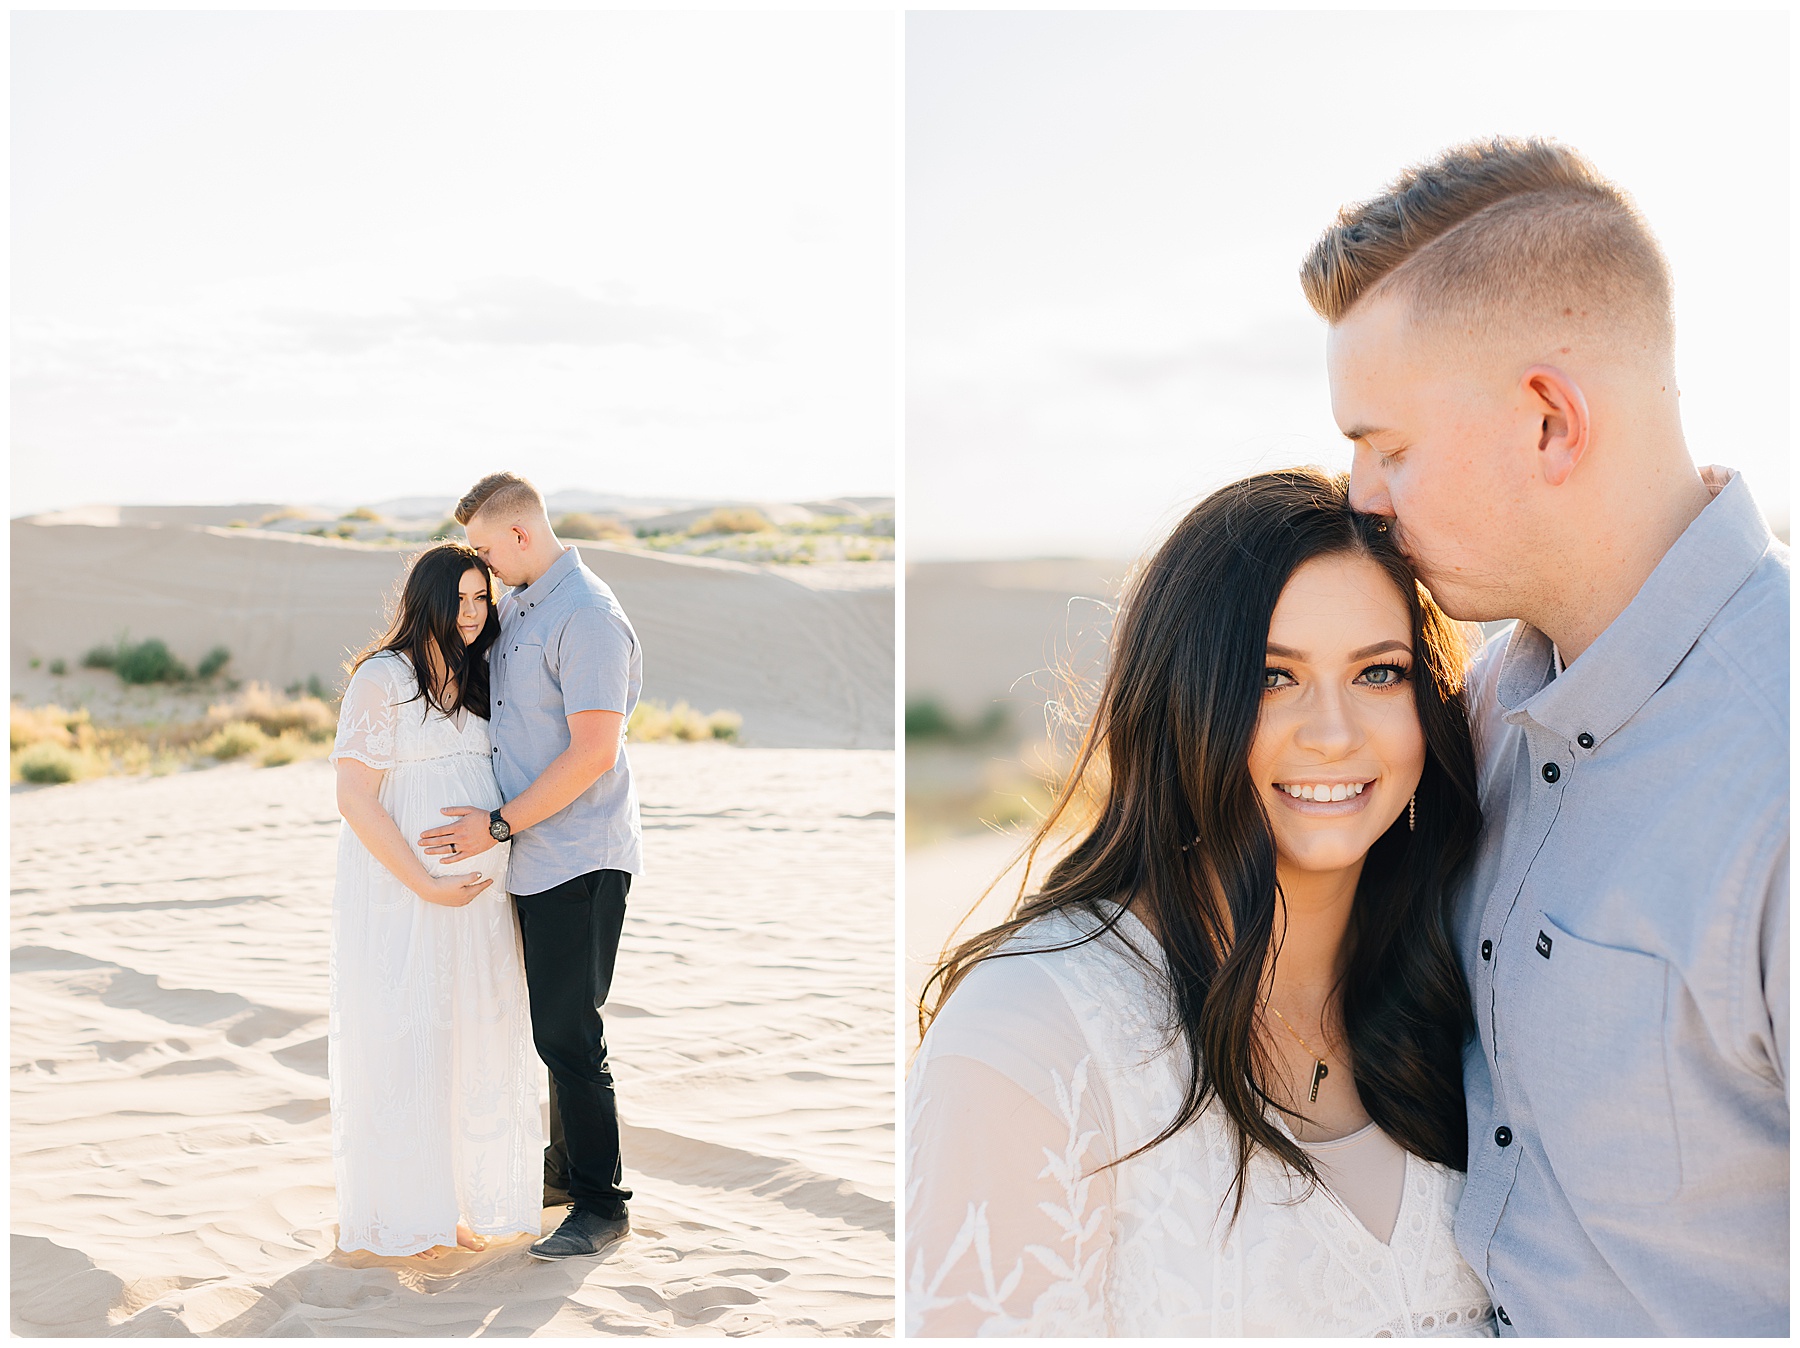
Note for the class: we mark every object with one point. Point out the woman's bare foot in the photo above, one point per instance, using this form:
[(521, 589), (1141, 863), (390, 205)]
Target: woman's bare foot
[(435, 1252), (468, 1239)]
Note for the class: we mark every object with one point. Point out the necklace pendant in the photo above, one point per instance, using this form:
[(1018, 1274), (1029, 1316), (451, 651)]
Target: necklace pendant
[(1320, 1072)]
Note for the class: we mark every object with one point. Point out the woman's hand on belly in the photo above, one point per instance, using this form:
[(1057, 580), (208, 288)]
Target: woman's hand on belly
[(454, 891)]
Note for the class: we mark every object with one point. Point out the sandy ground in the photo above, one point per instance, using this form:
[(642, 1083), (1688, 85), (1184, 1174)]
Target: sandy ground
[(171, 1134), (805, 655)]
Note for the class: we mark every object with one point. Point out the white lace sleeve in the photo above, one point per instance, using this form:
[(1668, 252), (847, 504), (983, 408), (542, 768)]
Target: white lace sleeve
[(370, 711), (1008, 1215)]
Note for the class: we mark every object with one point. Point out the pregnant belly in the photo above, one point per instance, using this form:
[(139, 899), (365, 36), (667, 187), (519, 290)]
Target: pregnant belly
[(417, 796)]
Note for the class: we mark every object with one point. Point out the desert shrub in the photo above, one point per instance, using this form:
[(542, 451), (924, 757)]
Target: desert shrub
[(655, 721), (344, 530), (687, 724), (59, 666), (446, 529), (34, 662), (50, 725), (307, 717), (149, 661), (216, 659), (361, 513), (233, 740), (46, 762), (926, 719), (731, 520), (649, 721), (288, 747), (285, 513), (101, 657), (238, 524), (579, 524)]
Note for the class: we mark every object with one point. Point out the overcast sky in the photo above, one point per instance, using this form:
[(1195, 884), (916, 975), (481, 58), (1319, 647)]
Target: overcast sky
[(1106, 213), (340, 256)]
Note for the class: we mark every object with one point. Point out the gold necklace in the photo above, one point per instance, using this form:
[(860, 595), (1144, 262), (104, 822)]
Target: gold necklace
[(1320, 1070)]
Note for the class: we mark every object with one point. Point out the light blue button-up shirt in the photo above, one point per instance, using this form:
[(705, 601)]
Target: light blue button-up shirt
[(565, 646), (1625, 935)]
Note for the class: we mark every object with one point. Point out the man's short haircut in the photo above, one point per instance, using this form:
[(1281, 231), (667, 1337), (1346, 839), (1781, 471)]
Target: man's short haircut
[(1498, 231), (499, 494)]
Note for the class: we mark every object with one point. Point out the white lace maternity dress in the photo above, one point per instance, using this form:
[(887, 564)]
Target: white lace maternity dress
[(1044, 1066), (434, 1082)]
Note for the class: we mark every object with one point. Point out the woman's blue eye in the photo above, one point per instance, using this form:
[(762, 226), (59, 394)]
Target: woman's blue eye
[(1384, 676)]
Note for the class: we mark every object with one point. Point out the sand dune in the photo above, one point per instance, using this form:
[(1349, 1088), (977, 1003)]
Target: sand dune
[(806, 660), (171, 1135), (980, 634)]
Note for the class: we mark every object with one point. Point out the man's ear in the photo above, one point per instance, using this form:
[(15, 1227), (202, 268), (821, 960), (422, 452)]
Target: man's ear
[(1564, 433)]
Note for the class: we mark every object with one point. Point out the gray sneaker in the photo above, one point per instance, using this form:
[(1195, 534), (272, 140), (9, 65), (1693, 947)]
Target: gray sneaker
[(582, 1233)]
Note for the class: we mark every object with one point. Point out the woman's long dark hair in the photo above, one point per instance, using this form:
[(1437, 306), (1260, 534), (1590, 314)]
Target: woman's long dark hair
[(1180, 834), (425, 618)]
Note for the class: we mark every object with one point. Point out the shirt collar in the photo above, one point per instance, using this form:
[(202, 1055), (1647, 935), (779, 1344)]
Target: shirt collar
[(1641, 647), (529, 596)]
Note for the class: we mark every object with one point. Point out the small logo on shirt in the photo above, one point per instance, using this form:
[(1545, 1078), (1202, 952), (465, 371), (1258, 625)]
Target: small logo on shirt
[(1543, 945)]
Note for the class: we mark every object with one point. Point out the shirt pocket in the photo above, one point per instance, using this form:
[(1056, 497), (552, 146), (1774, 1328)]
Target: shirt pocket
[(1593, 1045), (525, 676)]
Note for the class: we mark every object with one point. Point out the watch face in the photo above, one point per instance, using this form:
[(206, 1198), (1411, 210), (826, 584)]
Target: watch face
[(500, 829)]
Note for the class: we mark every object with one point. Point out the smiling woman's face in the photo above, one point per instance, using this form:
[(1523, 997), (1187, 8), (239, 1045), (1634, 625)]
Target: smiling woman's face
[(1338, 749)]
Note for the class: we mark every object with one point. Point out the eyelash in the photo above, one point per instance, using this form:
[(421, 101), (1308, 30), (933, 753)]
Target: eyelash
[(1401, 674)]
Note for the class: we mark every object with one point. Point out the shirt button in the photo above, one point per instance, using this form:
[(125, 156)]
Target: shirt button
[(1551, 773), (1503, 1136), (1501, 1312), (1585, 740), (1487, 950)]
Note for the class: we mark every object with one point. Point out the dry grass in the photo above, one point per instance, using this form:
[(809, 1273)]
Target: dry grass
[(275, 714), (580, 524), (731, 520), (54, 744), (655, 721)]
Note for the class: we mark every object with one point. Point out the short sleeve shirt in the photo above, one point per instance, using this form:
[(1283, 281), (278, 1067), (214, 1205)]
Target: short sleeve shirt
[(565, 646), (1624, 931)]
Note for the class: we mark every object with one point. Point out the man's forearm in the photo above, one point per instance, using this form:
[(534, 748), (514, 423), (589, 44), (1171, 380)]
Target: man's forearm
[(570, 773)]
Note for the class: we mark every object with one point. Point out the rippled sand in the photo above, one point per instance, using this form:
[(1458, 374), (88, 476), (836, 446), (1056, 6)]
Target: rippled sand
[(171, 1136)]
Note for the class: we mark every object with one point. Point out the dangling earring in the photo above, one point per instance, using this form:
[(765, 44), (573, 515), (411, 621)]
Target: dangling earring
[(1412, 813)]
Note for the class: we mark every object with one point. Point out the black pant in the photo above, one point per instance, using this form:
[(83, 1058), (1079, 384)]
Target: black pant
[(571, 936)]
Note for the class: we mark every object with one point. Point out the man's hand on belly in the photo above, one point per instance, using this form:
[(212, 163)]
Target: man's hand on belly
[(467, 837)]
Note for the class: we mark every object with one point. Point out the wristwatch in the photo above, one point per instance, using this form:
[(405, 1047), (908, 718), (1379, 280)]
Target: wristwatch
[(498, 828)]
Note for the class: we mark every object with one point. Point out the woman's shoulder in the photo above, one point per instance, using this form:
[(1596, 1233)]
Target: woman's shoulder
[(386, 669), (1104, 942), (1072, 976)]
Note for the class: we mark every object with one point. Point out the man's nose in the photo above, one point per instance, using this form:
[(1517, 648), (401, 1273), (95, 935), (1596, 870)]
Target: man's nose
[(1368, 494)]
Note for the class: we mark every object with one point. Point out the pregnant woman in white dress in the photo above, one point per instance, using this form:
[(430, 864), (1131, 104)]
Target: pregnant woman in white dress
[(1208, 1080), (434, 1108)]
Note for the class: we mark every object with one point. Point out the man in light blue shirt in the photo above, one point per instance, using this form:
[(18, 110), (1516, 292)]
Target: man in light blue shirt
[(564, 678), (1502, 357)]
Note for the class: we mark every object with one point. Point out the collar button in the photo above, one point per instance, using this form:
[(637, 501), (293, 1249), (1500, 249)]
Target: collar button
[(1585, 740)]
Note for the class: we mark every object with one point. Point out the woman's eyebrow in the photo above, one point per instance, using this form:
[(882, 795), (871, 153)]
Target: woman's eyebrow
[(1363, 654)]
